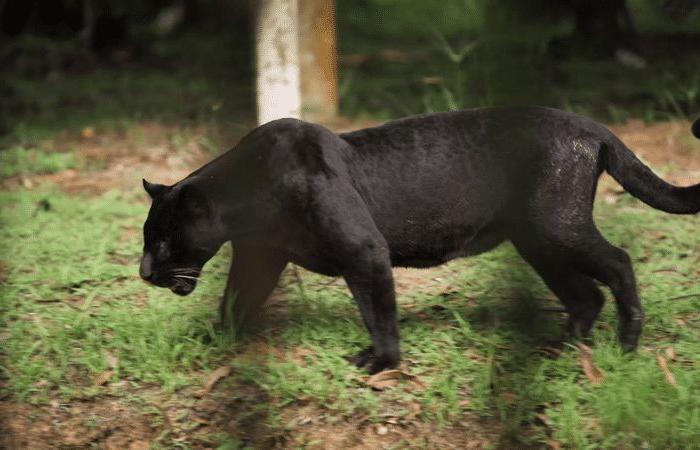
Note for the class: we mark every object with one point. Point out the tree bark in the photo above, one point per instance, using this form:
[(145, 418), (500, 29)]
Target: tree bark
[(317, 49), (277, 60)]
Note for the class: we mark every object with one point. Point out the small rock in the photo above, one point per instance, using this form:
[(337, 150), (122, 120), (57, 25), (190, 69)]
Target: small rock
[(382, 430)]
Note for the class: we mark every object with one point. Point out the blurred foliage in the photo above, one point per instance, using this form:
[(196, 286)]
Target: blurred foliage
[(67, 65), (395, 20), (19, 160), (191, 61), (402, 60), (186, 79)]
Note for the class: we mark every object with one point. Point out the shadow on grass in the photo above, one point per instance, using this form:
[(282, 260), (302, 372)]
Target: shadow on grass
[(526, 330), (511, 328), (520, 330)]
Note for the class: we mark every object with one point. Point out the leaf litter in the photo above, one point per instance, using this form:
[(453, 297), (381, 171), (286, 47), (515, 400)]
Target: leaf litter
[(594, 374), (391, 378), (214, 377)]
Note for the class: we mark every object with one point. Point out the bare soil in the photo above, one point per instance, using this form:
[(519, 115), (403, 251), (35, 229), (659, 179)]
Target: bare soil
[(101, 422)]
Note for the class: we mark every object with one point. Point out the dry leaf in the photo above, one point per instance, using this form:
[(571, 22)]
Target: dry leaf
[(594, 374), (103, 377), (390, 378), (660, 235), (300, 353), (112, 361), (390, 54), (413, 411), (384, 379), (554, 445), (87, 132), (303, 420), (670, 353), (542, 417), (415, 384), (509, 397), (139, 445), (433, 80), (549, 351), (214, 378), (670, 379), (42, 383)]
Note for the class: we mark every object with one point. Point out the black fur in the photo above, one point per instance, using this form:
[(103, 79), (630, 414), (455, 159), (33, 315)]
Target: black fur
[(417, 192)]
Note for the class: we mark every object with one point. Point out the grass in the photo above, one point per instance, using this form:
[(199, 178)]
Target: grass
[(20, 160), (67, 309), (70, 309)]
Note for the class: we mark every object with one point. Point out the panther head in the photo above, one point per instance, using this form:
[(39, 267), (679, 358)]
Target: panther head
[(182, 232)]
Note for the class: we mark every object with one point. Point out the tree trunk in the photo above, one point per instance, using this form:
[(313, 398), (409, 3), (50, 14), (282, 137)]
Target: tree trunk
[(319, 74), (277, 60)]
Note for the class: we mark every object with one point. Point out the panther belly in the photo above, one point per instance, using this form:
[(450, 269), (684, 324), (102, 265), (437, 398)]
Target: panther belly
[(450, 246)]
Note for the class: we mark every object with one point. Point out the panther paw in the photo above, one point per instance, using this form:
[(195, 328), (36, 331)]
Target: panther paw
[(363, 358)]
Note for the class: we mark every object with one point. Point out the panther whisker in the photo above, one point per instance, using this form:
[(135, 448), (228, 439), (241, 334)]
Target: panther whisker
[(186, 277), (185, 271), (181, 280)]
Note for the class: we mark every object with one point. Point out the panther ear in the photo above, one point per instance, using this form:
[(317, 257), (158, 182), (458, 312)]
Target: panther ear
[(154, 189), (193, 202)]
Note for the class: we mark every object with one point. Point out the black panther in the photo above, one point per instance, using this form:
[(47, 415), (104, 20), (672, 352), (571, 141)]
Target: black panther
[(416, 192)]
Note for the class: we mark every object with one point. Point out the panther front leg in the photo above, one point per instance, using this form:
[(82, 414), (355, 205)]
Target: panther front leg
[(253, 275), (342, 237), (372, 285)]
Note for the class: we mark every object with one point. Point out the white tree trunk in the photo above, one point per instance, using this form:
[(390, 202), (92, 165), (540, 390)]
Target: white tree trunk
[(277, 52)]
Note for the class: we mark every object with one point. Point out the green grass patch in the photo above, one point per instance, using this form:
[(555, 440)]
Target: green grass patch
[(20, 160), (73, 296), (71, 300)]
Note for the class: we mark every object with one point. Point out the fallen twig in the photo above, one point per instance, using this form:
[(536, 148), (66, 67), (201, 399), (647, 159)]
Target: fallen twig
[(681, 297)]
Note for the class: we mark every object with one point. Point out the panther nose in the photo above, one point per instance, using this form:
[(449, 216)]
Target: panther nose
[(145, 270)]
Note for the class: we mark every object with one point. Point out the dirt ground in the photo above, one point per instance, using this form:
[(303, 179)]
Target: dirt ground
[(115, 162)]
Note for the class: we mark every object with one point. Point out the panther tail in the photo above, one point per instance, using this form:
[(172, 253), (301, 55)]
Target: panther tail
[(640, 181)]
